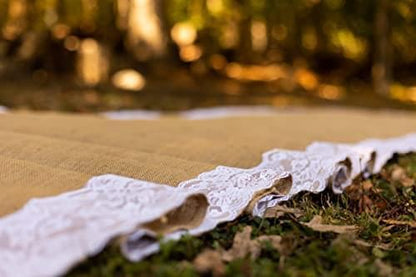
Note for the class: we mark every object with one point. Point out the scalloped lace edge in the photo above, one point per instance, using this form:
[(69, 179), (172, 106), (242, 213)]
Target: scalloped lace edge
[(50, 235)]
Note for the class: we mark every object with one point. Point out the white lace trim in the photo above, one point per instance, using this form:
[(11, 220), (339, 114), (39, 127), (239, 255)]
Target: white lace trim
[(49, 235)]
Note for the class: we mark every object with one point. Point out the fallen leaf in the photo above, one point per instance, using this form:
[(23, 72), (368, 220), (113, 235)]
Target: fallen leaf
[(359, 192), (367, 185), (362, 243), (365, 203), (244, 246), (210, 261), (279, 211), (317, 225), (399, 174), (400, 222)]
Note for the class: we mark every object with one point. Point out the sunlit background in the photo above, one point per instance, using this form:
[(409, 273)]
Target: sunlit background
[(91, 55)]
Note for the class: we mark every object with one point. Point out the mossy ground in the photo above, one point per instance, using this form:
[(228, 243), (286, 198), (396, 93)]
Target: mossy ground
[(379, 248)]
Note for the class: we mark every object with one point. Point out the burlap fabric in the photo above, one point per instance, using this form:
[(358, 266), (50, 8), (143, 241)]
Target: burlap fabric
[(43, 154)]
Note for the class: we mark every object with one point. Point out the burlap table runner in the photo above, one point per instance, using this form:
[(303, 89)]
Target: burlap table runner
[(43, 154)]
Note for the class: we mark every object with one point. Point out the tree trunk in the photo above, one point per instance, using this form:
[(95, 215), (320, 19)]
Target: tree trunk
[(245, 50), (146, 37), (382, 64)]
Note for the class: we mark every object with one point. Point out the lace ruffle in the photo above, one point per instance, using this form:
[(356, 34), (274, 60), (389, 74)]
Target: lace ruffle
[(49, 235)]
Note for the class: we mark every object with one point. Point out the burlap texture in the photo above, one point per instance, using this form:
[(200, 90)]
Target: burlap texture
[(43, 154)]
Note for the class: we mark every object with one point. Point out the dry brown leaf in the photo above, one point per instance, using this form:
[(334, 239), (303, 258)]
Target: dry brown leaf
[(400, 222), (367, 185), (408, 182), (213, 260), (399, 174), (365, 203), (210, 261), (362, 243), (244, 246), (279, 211), (317, 225), (359, 192)]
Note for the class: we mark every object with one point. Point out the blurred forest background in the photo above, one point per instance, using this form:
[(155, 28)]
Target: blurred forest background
[(89, 55)]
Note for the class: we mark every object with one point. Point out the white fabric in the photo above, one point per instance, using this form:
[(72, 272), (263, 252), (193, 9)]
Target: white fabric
[(194, 114), (133, 115), (3, 109), (49, 235), (228, 111)]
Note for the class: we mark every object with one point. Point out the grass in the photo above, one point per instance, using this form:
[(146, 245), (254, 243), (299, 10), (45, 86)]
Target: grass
[(379, 248)]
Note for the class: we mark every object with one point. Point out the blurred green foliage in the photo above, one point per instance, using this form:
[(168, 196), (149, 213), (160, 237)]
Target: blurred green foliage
[(339, 40)]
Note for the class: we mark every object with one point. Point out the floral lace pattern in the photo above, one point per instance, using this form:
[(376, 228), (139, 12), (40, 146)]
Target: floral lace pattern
[(49, 235)]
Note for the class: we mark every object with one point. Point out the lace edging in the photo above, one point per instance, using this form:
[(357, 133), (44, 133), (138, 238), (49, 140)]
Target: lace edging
[(49, 235)]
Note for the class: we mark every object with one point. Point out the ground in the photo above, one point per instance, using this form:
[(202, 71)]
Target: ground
[(177, 91), (370, 230)]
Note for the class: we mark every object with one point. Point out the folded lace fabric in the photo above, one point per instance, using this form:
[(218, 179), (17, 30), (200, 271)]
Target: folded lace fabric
[(320, 165), (49, 235)]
